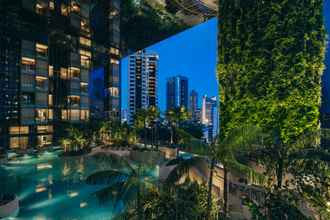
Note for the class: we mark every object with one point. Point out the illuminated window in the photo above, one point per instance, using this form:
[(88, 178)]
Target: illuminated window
[(64, 73), (50, 100), (19, 142), (41, 83), (28, 65), (74, 115), (45, 129), (41, 49), (44, 140), (50, 70), (64, 114), (114, 91), (50, 114), (84, 115), (85, 57), (114, 51), (84, 87), (41, 114), (74, 100), (74, 72), (85, 41), (19, 130), (114, 61)]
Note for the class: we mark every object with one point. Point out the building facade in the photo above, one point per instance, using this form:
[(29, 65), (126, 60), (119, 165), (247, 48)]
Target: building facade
[(193, 106), (45, 63), (105, 25), (177, 92), (210, 117), (143, 71)]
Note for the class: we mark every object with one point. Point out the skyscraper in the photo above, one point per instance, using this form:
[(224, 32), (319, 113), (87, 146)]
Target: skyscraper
[(46, 50), (177, 92), (143, 67), (193, 105), (210, 117)]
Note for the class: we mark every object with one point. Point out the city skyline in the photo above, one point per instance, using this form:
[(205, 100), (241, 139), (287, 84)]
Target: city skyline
[(195, 60)]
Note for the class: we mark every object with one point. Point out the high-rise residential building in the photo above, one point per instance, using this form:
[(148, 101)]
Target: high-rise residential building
[(46, 55), (210, 117), (193, 105), (177, 92), (143, 68), (105, 25)]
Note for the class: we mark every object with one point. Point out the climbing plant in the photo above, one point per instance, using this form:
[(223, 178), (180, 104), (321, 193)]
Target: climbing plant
[(271, 56)]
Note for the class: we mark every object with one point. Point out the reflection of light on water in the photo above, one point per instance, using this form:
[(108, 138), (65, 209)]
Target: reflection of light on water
[(40, 217), (83, 204), (72, 194), (40, 188), (50, 179), (66, 169), (50, 194), (47, 202), (43, 166)]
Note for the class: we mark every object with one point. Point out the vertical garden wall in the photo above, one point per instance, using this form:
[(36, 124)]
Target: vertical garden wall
[(271, 57)]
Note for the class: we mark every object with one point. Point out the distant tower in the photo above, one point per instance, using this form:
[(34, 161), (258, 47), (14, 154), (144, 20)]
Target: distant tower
[(193, 105), (210, 118), (177, 92), (143, 69)]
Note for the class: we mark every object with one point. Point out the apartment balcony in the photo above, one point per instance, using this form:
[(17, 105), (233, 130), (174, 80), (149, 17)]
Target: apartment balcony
[(84, 75), (27, 116)]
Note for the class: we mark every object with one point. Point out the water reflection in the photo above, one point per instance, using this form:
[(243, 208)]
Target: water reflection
[(47, 186)]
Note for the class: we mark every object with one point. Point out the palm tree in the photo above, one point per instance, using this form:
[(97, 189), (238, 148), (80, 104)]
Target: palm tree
[(230, 148), (66, 143), (182, 168), (153, 115), (123, 185), (141, 122), (175, 117)]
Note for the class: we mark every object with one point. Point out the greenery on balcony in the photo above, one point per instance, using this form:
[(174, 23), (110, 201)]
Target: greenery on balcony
[(144, 24)]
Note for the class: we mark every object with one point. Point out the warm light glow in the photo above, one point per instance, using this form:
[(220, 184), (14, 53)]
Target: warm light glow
[(40, 188), (72, 194), (83, 204), (43, 166)]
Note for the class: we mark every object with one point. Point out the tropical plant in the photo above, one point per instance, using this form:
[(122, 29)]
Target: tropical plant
[(75, 140), (175, 117), (125, 185), (163, 203), (182, 167)]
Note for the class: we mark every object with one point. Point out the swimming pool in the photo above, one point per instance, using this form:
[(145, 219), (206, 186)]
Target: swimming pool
[(50, 187)]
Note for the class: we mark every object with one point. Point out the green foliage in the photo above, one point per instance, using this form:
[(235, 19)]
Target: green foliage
[(187, 201), (271, 57), (140, 20), (75, 140), (270, 65)]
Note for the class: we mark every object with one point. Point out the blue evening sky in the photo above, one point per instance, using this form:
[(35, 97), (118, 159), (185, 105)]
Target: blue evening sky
[(192, 53), (326, 76)]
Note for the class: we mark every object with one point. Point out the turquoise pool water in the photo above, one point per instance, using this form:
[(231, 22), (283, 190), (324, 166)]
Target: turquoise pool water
[(50, 187)]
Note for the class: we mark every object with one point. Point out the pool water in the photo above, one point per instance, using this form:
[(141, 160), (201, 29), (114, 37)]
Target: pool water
[(50, 187)]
